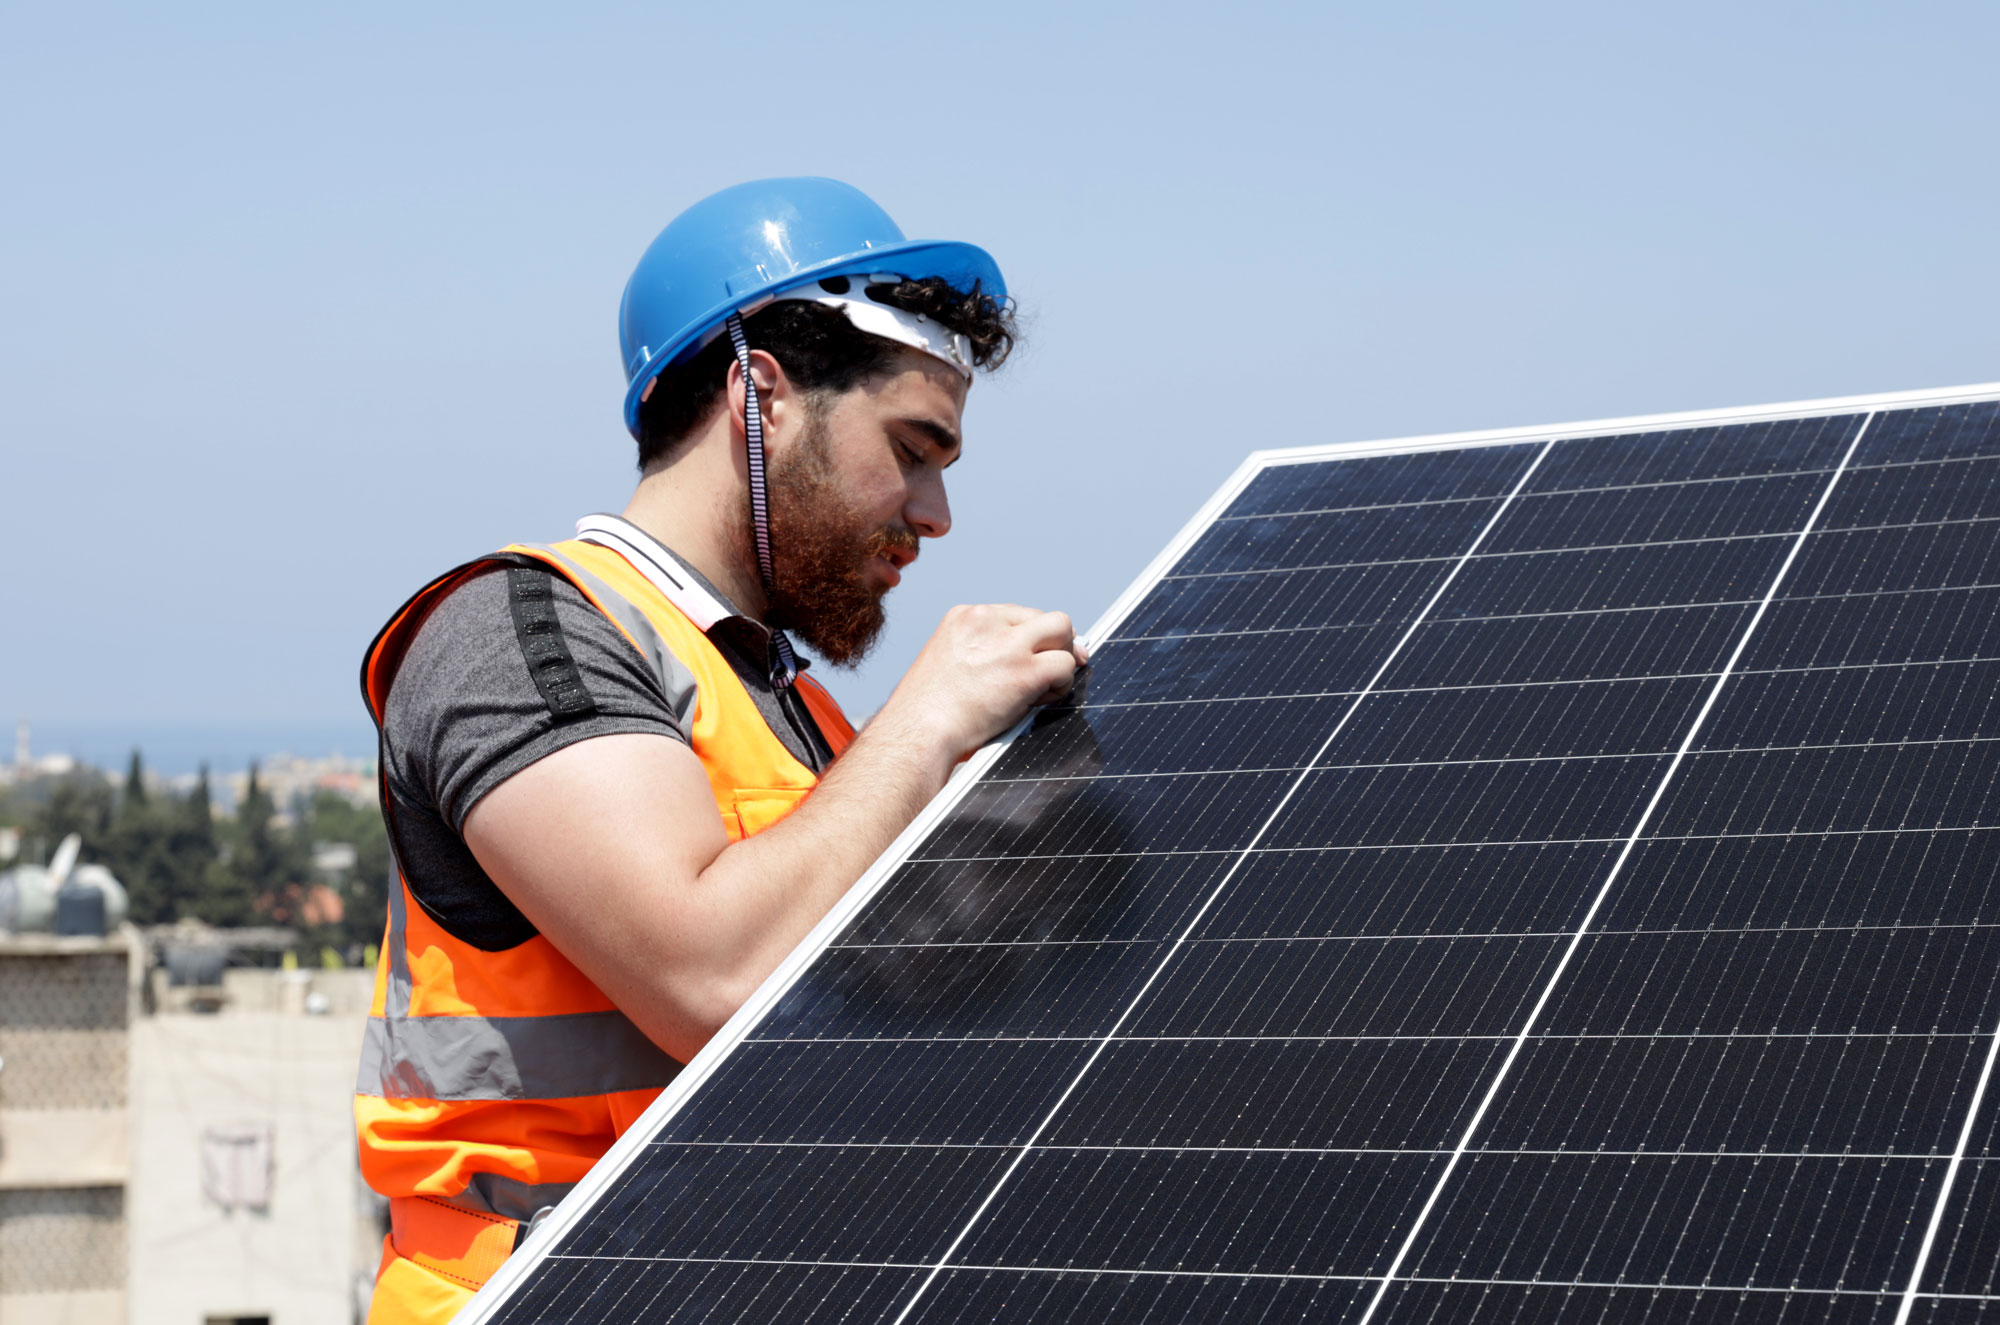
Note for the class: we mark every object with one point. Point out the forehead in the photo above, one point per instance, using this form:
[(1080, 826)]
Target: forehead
[(915, 385)]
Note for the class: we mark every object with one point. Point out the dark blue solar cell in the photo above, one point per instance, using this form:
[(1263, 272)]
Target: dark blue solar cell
[(839, 1202), (1749, 1220), (1520, 722), (874, 1089), (1192, 812), (681, 1292), (1935, 432), (1660, 575), (1427, 476), (984, 1295), (1284, 600), (1203, 1211), (1668, 641), (1788, 982), (1876, 788), (1596, 516), (1481, 1301), (1967, 1255), (1921, 626), (1277, 662), (1270, 1094), (1372, 986), (1538, 801), (1411, 890), (1938, 701), (1035, 899), (1174, 738), (1711, 452), (1844, 1094), (999, 988), (1927, 493), (1379, 533), (1949, 556), (1803, 881)]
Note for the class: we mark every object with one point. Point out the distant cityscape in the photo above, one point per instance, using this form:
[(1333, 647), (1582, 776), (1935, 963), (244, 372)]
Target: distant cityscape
[(290, 846), (286, 776)]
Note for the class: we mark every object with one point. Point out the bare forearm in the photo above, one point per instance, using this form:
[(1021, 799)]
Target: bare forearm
[(613, 848), (763, 895)]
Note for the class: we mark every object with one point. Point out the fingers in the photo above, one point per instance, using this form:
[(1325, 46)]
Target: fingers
[(1050, 630), (1057, 669)]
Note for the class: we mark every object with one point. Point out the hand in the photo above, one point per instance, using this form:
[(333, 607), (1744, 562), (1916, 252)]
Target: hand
[(982, 670)]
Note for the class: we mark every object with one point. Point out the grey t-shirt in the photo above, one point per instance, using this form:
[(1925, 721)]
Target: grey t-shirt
[(464, 714)]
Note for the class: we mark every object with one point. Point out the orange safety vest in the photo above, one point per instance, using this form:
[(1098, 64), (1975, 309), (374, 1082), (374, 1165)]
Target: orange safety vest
[(491, 1081)]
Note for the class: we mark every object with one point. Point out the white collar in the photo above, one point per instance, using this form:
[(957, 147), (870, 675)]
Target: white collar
[(651, 558)]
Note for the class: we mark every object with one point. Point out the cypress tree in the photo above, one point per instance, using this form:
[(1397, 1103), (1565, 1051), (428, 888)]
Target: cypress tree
[(139, 852), (191, 849)]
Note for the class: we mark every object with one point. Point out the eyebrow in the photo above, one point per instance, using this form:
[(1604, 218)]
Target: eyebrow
[(940, 436)]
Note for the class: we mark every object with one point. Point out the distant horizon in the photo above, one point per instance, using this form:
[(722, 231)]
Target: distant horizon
[(173, 747)]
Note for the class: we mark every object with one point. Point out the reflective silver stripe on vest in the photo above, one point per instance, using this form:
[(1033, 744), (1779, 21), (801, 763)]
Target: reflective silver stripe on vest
[(397, 1001), (676, 681), (510, 1198), (555, 1057)]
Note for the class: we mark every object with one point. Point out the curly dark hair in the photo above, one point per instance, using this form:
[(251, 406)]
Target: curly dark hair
[(821, 351)]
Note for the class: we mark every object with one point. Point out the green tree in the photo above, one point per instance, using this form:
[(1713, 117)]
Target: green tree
[(229, 886), (269, 865), (79, 802), (363, 890), (138, 849), (191, 847)]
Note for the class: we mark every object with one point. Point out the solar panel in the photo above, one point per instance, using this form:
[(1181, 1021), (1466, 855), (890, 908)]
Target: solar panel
[(1519, 876)]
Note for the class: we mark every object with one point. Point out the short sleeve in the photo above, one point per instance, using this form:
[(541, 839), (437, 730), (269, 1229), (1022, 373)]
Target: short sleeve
[(465, 712)]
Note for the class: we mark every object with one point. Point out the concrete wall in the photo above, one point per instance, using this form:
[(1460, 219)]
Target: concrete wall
[(260, 1059), (65, 1009)]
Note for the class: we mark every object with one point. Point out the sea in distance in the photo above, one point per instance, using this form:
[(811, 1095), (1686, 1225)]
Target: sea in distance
[(177, 746)]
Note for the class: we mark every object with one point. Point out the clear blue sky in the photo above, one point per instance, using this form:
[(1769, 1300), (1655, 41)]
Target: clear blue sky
[(305, 303)]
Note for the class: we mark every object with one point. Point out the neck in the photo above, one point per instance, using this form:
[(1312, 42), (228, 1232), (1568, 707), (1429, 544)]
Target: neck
[(697, 505)]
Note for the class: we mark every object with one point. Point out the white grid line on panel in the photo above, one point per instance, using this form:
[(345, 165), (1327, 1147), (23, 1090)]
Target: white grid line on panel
[(1611, 487), (1591, 490), (1491, 759), (1706, 931), (1611, 877), (1251, 572), (1466, 686), (1910, 1294), (1295, 1276), (1388, 661), (1319, 1152), (1561, 612), (1748, 1037), (1476, 842), (1977, 393)]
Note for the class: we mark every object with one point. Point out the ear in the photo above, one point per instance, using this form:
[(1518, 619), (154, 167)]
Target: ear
[(777, 400)]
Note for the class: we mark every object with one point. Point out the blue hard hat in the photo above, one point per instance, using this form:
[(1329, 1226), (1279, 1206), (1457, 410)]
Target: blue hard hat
[(737, 248)]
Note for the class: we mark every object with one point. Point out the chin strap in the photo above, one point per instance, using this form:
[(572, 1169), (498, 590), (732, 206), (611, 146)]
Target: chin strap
[(785, 668)]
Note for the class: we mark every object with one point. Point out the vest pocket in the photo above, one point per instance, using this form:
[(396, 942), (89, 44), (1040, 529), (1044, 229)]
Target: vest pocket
[(753, 809)]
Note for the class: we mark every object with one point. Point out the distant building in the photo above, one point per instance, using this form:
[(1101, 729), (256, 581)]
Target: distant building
[(290, 778), (66, 1009), (191, 1164)]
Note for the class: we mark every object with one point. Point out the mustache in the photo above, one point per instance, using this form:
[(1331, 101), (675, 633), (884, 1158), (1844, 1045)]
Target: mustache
[(898, 537)]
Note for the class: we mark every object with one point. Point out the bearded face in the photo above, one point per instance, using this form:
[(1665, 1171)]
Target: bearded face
[(821, 548)]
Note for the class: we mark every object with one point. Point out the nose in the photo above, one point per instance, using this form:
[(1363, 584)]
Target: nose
[(927, 510)]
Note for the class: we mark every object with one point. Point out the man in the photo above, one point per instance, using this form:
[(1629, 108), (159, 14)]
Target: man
[(616, 803)]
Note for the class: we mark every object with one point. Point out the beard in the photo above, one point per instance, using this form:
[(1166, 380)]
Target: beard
[(821, 548)]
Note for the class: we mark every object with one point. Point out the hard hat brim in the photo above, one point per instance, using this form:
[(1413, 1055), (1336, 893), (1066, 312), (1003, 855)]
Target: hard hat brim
[(960, 265)]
